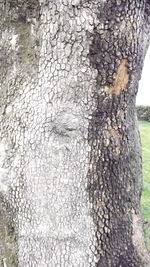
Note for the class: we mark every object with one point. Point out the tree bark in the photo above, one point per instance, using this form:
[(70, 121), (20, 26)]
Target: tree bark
[(70, 163)]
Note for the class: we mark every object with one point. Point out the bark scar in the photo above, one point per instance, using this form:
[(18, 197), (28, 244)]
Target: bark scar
[(121, 79)]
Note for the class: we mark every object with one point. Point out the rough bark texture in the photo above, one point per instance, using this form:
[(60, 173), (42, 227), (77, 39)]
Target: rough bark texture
[(70, 164)]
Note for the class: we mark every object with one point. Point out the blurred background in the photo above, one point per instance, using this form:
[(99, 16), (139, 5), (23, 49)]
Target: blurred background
[(143, 110), (143, 97)]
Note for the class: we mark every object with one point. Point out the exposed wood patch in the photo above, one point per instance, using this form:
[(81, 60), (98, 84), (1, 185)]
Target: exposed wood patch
[(113, 132), (121, 79)]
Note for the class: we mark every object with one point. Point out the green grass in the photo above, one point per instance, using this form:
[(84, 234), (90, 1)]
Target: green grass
[(145, 201)]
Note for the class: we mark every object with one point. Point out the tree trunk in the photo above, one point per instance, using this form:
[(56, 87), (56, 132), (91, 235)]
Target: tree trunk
[(70, 162)]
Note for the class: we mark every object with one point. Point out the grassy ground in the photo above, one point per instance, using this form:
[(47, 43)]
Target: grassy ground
[(145, 138)]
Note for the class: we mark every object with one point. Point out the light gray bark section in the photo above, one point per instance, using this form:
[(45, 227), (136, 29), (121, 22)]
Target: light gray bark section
[(44, 139)]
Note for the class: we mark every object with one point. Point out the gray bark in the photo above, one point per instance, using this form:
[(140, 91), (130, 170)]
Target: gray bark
[(70, 162)]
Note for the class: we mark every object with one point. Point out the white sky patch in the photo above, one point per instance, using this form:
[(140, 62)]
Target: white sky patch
[(143, 97)]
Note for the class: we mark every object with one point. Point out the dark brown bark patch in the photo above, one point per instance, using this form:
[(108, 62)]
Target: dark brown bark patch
[(121, 79)]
